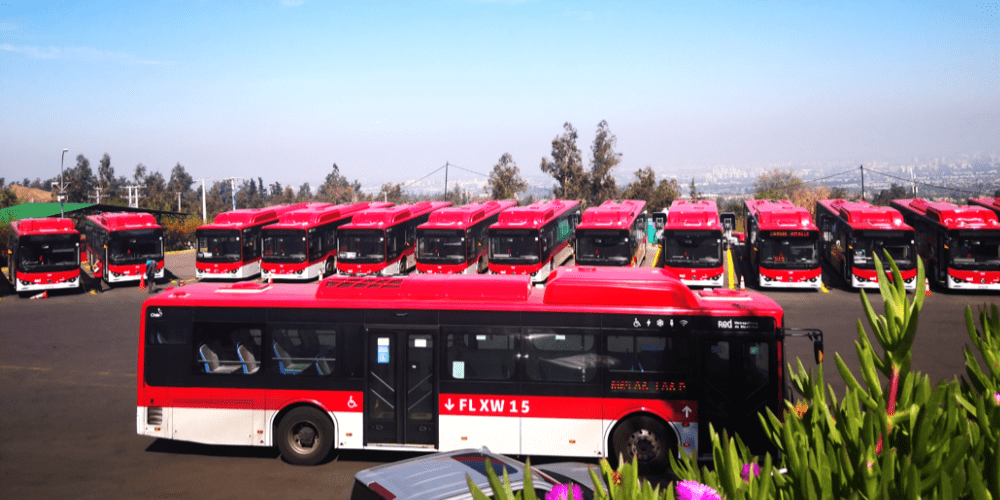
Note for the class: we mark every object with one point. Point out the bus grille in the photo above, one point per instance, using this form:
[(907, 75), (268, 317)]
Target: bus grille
[(154, 415), (365, 283)]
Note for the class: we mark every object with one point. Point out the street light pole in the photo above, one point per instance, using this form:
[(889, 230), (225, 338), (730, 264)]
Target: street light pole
[(62, 186)]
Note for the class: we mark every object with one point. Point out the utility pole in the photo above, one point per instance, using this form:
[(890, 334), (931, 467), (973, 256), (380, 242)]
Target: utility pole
[(204, 213), (446, 180), (98, 195), (133, 199), (62, 185), (913, 181), (179, 201), (862, 183), (232, 181)]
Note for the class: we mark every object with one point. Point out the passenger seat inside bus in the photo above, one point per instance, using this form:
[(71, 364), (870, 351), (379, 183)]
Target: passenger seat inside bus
[(247, 358), (285, 364), (210, 360)]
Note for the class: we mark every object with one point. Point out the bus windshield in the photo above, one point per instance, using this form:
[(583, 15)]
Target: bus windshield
[(791, 253), (361, 245), (441, 246), (514, 246), (135, 247), (284, 245), (601, 248), (975, 250), (219, 245), (692, 248), (51, 252), (869, 244)]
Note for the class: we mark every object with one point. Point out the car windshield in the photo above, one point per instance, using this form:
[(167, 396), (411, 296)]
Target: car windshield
[(219, 245), (682, 248), (51, 252), (361, 245), (789, 253), (441, 246), (135, 246), (869, 244), (975, 250), (603, 247), (514, 246), (284, 245)]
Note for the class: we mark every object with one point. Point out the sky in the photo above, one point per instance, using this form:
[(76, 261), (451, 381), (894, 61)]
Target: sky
[(391, 91)]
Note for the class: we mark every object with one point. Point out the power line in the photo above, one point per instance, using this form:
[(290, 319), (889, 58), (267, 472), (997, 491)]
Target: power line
[(424, 177), (469, 171), (911, 181), (829, 176)]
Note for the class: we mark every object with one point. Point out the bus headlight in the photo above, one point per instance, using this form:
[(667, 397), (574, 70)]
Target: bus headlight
[(233, 271), (25, 283), (72, 280), (954, 279), (813, 279), (299, 272), (910, 280), (767, 278)]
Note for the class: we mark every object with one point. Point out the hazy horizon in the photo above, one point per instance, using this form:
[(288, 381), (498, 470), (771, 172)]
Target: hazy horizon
[(391, 91)]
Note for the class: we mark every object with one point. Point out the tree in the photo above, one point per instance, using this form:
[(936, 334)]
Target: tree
[(601, 182), (776, 184), (645, 187), (392, 192), (336, 188), (155, 190), (894, 192), (838, 192), (111, 189), (694, 191), (79, 181), (181, 182), (305, 193), (505, 180), (566, 165)]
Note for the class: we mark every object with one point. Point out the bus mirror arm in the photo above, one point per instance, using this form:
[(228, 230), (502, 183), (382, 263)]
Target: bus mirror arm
[(812, 334)]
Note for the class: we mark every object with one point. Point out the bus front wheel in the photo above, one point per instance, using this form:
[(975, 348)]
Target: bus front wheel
[(330, 269), (644, 438), (305, 436)]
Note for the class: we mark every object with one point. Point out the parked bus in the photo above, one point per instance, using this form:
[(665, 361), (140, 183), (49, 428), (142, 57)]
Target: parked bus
[(960, 245), (598, 362), (990, 203), (302, 245), (693, 243), (230, 246), (383, 241), (456, 239), (855, 233), (43, 254), (659, 223), (121, 243), (534, 239), (612, 234), (782, 245)]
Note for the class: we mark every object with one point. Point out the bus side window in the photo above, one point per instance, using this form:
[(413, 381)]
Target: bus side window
[(757, 362), (226, 348), (480, 353), (641, 353), (557, 355)]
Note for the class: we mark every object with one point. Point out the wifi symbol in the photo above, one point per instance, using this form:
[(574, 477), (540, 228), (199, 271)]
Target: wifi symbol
[(684, 322)]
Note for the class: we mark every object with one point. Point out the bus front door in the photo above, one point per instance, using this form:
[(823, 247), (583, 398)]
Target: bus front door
[(735, 385), (401, 393)]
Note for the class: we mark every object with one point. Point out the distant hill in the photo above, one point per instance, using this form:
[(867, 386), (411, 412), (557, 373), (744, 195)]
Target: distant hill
[(32, 195)]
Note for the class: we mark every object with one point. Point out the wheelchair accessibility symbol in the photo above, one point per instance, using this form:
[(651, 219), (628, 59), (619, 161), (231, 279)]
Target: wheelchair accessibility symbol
[(351, 403)]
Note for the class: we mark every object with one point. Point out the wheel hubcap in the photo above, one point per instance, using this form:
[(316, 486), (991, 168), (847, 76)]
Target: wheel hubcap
[(645, 445), (303, 438)]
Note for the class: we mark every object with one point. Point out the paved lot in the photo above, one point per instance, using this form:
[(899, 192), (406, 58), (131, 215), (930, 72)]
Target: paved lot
[(67, 387)]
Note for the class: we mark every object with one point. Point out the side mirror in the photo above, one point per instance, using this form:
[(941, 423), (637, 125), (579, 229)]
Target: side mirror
[(728, 220)]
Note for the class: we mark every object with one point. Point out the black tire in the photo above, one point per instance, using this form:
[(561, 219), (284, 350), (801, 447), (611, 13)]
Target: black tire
[(330, 269), (304, 436), (647, 439)]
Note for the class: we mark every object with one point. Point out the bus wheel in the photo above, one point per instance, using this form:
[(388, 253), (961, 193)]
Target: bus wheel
[(330, 269), (304, 436), (646, 439)]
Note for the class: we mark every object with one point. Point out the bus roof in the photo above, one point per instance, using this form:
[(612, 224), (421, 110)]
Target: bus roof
[(53, 225), (249, 217), (580, 289), (535, 215), (990, 203), (950, 215), (864, 215), (123, 221), (466, 215), (612, 213), (690, 214), (321, 213), (388, 216), (780, 214)]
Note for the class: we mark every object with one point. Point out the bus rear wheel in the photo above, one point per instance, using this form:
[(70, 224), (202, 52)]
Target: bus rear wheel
[(330, 268), (305, 436), (646, 439)]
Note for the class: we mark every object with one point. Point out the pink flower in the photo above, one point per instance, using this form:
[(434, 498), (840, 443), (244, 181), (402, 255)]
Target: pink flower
[(693, 490), (746, 471), (996, 398), (561, 492)]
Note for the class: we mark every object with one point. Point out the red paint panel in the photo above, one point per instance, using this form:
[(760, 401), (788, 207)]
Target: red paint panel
[(975, 277), (869, 274), (790, 275), (563, 407), (48, 277), (696, 273), (222, 398)]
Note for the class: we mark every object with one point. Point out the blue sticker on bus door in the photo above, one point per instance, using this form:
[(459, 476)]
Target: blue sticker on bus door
[(383, 355)]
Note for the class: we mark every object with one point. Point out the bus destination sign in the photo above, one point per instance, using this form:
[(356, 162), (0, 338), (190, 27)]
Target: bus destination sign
[(646, 387), (789, 234)]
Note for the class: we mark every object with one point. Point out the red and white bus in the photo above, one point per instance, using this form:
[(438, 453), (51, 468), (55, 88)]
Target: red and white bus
[(383, 241), (302, 245), (230, 246), (43, 254), (990, 203), (960, 245), (598, 362), (534, 239), (692, 243), (121, 243), (612, 234), (855, 233), (782, 245), (456, 239)]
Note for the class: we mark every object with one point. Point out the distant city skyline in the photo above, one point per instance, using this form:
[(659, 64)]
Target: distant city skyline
[(391, 91)]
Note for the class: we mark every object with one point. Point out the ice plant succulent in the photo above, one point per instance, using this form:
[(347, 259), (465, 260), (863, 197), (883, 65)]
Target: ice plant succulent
[(748, 469), (693, 490), (562, 492)]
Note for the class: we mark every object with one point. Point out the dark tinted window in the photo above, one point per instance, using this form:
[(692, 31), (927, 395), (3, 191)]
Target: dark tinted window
[(639, 353), (555, 355), (473, 353)]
